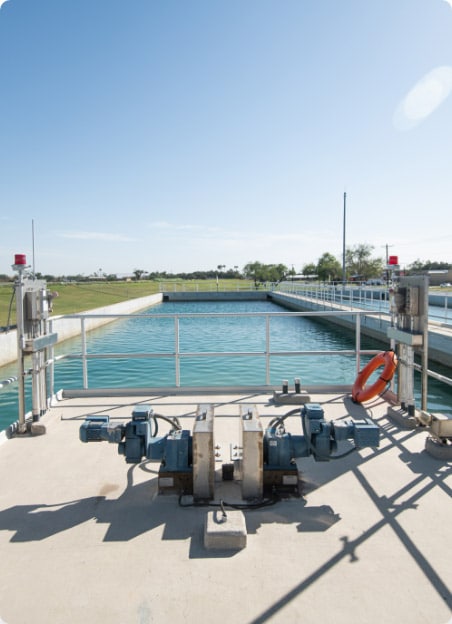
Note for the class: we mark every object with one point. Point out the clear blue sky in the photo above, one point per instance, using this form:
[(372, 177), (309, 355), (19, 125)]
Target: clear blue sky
[(180, 135)]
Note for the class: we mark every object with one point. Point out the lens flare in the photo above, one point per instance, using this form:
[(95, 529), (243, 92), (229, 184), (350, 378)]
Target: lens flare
[(424, 98)]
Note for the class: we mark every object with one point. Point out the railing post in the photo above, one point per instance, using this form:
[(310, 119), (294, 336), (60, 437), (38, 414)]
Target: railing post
[(176, 351), (19, 291), (358, 343), (35, 386), (84, 360), (267, 350), (52, 364)]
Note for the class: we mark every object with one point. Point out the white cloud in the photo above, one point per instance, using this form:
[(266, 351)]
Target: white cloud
[(178, 227), (209, 239), (103, 236), (424, 98), (449, 2), (2, 2)]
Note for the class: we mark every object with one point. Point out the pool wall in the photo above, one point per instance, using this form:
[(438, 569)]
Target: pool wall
[(373, 325), (68, 328), (250, 295)]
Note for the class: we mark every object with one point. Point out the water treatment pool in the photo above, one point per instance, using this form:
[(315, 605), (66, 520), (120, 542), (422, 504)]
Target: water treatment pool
[(218, 334)]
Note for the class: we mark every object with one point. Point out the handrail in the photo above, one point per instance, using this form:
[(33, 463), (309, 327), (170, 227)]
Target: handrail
[(355, 295), (351, 294), (433, 375), (178, 355)]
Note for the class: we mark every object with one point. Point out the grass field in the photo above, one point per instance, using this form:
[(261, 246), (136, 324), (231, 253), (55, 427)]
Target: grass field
[(82, 296)]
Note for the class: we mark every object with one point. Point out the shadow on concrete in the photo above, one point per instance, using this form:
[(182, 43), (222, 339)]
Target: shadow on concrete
[(139, 510)]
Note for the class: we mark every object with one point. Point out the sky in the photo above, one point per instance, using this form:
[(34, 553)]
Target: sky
[(179, 135)]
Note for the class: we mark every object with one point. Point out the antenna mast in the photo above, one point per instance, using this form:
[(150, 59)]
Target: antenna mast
[(33, 243)]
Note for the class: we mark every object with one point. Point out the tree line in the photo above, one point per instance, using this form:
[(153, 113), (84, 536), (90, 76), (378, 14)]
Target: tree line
[(359, 265)]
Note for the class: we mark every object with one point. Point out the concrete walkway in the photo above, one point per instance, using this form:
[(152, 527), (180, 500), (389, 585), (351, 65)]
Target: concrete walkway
[(84, 537)]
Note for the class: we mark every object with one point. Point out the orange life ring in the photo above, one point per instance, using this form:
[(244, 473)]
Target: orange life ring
[(388, 359)]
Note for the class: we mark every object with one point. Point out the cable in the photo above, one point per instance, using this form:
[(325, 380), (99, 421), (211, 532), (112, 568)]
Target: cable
[(266, 502), (174, 422), (280, 419), (388, 385), (10, 308)]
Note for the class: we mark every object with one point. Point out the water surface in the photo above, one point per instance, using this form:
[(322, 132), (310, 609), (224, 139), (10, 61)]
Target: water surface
[(219, 334)]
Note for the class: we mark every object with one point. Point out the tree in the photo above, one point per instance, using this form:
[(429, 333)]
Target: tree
[(420, 267), (138, 273), (254, 271), (328, 268), (310, 269), (358, 261), (276, 272), (264, 272)]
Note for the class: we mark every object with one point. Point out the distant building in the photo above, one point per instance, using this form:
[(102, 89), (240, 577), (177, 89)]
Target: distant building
[(438, 277), (303, 278)]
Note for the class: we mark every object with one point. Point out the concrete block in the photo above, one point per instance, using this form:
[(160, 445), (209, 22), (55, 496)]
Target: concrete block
[(225, 534), (37, 428)]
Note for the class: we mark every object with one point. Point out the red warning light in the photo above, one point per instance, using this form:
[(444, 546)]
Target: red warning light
[(393, 260), (20, 259)]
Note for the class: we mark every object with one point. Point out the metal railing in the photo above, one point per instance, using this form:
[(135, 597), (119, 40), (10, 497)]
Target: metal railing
[(353, 295), (178, 354), (350, 295), (222, 285)]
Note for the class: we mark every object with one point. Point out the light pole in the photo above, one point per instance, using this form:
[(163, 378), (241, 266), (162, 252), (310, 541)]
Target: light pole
[(387, 262), (343, 242)]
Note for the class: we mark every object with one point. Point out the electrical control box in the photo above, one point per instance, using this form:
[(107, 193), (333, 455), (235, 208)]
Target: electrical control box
[(36, 301), (406, 300)]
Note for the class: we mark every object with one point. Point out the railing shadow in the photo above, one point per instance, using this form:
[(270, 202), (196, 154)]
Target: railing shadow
[(138, 510)]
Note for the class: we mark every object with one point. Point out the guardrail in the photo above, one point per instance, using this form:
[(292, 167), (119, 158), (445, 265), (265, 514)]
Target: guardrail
[(222, 285), (357, 296), (350, 295), (179, 355)]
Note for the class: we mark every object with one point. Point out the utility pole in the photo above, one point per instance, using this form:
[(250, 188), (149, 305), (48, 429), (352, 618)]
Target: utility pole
[(344, 279), (387, 262), (387, 252)]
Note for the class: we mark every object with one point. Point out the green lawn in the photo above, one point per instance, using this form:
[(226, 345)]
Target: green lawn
[(81, 296)]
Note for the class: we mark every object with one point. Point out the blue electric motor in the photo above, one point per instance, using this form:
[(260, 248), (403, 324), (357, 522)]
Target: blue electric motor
[(319, 437), (137, 440)]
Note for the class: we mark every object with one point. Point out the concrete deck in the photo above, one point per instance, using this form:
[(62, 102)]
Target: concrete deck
[(84, 537)]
